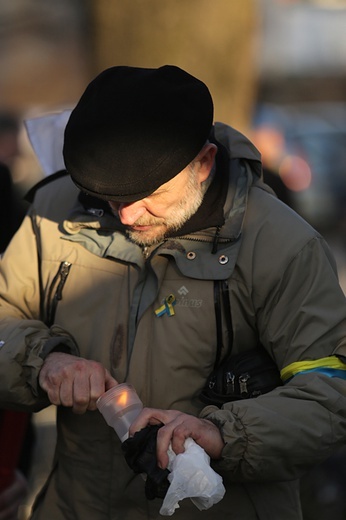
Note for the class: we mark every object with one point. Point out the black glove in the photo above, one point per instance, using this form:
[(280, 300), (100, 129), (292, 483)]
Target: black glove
[(140, 455)]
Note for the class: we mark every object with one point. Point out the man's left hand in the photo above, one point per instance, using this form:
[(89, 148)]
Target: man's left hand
[(177, 427)]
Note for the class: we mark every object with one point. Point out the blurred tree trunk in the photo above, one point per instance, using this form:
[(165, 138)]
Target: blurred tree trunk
[(214, 41)]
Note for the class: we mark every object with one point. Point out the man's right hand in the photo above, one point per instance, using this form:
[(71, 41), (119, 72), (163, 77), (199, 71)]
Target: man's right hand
[(73, 381)]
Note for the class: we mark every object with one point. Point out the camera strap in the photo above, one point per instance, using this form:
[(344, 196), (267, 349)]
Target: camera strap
[(247, 374)]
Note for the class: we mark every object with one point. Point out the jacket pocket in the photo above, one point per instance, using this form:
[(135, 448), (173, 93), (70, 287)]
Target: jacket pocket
[(56, 290)]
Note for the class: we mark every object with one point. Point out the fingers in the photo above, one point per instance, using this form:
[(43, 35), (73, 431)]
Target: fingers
[(80, 395), (152, 416), (172, 431), (175, 434), (110, 381), (177, 427), (74, 382)]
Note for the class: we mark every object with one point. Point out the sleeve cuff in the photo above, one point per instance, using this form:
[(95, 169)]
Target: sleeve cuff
[(58, 344)]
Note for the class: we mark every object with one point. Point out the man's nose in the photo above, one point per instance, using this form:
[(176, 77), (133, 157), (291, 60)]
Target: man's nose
[(130, 213)]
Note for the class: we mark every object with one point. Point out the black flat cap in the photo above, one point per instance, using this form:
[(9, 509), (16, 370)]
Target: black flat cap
[(134, 129)]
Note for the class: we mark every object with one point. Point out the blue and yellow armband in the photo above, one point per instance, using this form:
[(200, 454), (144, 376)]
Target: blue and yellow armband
[(331, 366)]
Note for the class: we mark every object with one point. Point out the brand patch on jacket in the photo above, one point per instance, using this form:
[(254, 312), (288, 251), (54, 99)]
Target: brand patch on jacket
[(184, 301)]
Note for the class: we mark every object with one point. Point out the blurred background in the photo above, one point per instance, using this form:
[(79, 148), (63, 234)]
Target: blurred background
[(276, 70)]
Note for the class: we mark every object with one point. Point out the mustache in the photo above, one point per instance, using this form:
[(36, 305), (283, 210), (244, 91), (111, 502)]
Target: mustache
[(148, 221)]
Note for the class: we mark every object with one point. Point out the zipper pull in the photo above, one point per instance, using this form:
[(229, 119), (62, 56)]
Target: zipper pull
[(243, 379), (64, 270), (230, 381)]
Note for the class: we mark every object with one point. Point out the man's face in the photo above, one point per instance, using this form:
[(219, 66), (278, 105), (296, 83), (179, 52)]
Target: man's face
[(149, 220)]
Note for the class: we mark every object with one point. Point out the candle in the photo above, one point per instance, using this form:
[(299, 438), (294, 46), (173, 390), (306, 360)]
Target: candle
[(120, 406)]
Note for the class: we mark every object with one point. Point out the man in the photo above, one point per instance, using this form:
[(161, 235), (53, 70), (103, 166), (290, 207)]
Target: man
[(160, 251)]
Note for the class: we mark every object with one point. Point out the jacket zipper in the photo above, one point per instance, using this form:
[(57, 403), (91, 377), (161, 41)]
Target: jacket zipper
[(57, 284)]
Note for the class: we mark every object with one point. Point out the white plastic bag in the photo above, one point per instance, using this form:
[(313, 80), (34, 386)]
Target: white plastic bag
[(191, 477)]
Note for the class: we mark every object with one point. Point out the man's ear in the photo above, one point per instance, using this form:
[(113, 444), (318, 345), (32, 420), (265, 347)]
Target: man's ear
[(206, 158)]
